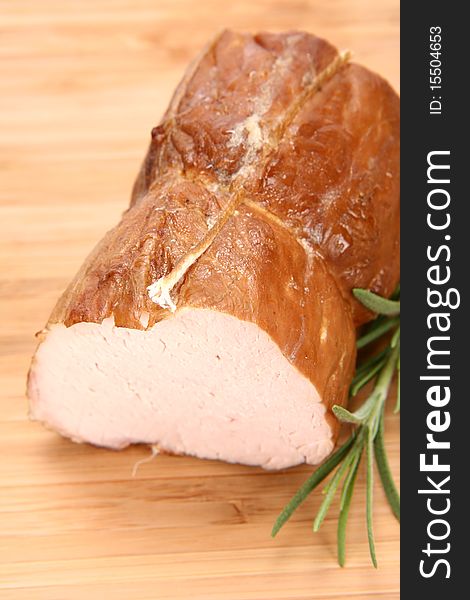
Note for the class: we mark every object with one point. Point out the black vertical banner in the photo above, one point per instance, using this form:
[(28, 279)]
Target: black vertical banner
[(435, 356)]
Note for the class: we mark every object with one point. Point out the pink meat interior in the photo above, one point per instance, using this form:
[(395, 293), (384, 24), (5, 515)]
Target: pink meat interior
[(200, 382)]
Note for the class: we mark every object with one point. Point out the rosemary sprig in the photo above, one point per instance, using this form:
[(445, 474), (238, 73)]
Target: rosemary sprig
[(367, 437)]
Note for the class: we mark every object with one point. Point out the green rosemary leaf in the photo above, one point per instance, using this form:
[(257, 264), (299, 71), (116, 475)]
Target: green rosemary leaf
[(377, 304), (397, 405), (370, 362), (359, 382), (374, 333), (311, 483), (354, 464), (381, 389), (330, 490), (384, 471), (395, 338), (345, 416), (364, 411), (370, 496), (346, 496)]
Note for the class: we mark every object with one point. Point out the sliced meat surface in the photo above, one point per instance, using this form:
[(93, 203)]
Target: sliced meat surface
[(202, 382)]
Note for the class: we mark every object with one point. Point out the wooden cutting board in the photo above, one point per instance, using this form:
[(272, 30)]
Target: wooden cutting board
[(81, 85)]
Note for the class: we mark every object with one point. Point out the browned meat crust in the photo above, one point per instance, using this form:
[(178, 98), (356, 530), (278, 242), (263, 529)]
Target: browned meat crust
[(291, 155)]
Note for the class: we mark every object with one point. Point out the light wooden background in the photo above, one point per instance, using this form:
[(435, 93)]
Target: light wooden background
[(81, 85)]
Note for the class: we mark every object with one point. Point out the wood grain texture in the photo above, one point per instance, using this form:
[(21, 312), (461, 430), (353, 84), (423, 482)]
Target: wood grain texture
[(81, 85)]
